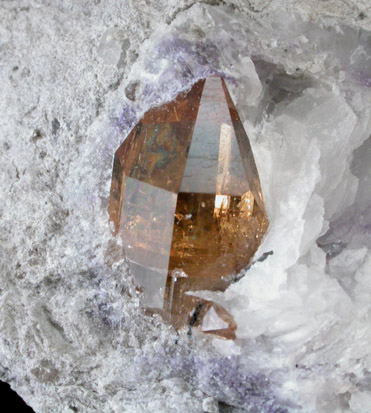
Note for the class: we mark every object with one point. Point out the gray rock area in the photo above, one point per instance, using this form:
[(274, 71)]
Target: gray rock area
[(75, 77)]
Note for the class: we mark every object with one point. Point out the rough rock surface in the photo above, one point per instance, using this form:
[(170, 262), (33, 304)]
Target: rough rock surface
[(75, 77)]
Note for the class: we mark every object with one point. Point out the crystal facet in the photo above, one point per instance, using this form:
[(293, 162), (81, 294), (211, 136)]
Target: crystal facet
[(187, 202)]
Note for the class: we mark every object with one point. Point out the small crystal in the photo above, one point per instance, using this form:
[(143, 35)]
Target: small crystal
[(187, 202)]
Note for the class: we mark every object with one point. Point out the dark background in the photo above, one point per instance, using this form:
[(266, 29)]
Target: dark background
[(15, 403)]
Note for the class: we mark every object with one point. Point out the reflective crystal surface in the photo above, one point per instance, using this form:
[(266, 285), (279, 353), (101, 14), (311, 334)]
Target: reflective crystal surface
[(187, 202)]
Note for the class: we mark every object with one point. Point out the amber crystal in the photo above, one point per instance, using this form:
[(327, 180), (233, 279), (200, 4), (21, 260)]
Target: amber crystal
[(186, 200)]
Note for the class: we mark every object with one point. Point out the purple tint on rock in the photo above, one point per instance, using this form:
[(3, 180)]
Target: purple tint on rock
[(127, 118), (361, 74), (187, 63), (365, 79), (204, 53), (152, 94), (192, 60), (235, 382), (226, 379), (93, 198)]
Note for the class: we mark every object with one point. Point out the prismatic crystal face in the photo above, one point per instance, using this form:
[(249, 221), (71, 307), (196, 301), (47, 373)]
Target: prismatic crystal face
[(187, 202)]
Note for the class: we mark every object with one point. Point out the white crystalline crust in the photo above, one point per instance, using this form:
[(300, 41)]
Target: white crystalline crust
[(75, 76)]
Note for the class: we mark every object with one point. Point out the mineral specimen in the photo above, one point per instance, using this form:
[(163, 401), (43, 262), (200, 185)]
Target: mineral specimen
[(76, 77), (186, 200)]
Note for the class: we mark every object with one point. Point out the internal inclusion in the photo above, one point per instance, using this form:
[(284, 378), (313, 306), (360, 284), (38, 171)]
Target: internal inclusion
[(187, 202)]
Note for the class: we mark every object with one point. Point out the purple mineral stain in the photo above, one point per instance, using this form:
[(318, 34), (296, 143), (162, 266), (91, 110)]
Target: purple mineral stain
[(361, 72), (127, 118), (226, 379), (187, 62), (365, 78)]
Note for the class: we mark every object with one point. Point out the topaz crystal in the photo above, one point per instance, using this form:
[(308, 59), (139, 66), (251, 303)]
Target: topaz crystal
[(187, 202)]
